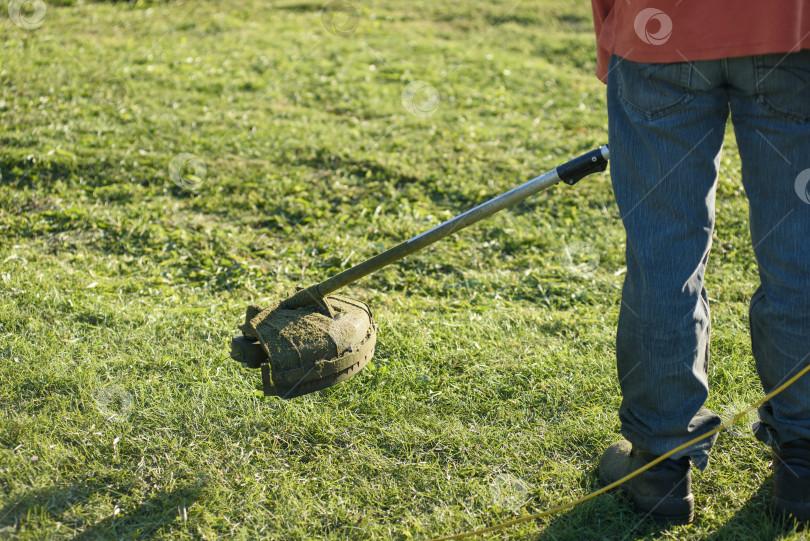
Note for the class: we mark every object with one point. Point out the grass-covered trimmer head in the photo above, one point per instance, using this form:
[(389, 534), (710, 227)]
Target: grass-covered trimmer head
[(313, 340), (306, 349)]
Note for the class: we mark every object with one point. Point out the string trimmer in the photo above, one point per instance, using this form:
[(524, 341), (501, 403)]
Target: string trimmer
[(313, 340)]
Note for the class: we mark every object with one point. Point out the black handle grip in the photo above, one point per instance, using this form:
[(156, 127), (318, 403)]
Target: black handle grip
[(580, 167)]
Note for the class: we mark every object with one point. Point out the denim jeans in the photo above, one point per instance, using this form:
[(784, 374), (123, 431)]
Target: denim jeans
[(666, 129)]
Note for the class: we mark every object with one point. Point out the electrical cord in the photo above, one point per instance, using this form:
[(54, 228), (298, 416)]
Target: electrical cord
[(629, 476)]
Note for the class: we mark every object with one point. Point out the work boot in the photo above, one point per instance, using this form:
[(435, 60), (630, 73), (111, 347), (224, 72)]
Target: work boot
[(664, 492), (791, 481)]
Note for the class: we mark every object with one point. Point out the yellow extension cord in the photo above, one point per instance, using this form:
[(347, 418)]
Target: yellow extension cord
[(629, 476)]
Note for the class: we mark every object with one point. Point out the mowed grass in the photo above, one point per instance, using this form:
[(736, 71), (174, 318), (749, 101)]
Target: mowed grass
[(122, 277)]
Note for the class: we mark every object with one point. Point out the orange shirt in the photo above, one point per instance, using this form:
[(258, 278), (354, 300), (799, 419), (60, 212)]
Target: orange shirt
[(681, 30)]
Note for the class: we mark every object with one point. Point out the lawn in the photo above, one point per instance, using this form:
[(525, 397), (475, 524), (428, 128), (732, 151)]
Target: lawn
[(165, 164)]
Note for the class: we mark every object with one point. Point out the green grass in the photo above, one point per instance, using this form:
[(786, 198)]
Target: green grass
[(493, 389)]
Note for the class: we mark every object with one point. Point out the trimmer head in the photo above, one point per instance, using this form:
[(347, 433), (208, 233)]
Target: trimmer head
[(306, 349)]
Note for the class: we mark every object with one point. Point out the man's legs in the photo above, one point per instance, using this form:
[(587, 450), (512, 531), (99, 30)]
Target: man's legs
[(677, 112)]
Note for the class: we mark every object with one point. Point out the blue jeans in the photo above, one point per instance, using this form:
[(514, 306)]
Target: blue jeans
[(666, 128)]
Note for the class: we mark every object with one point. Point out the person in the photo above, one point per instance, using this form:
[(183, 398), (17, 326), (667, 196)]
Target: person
[(675, 71)]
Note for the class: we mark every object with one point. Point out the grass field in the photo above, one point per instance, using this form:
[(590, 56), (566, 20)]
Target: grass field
[(165, 165)]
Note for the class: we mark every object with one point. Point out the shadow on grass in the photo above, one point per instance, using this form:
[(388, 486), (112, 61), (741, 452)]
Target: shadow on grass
[(611, 517), (137, 520), (146, 518), (607, 517), (753, 520), (51, 501)]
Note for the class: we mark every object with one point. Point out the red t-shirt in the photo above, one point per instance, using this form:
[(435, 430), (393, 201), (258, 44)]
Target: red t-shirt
[(681, 30)]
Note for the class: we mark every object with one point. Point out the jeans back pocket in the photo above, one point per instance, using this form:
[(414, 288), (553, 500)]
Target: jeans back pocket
[(652, 90), (783, 84)]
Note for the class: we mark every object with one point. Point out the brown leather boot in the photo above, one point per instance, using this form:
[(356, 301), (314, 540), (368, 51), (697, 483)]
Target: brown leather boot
[(664, 492)]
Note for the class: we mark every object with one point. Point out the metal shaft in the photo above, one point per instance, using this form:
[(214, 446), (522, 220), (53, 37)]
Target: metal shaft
[(570, 172)]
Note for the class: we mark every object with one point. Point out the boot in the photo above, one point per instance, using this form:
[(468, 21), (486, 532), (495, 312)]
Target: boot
[(664, 492), (791, 481)]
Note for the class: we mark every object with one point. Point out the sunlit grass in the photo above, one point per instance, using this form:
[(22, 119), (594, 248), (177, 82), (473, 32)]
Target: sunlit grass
[(122, 277)]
